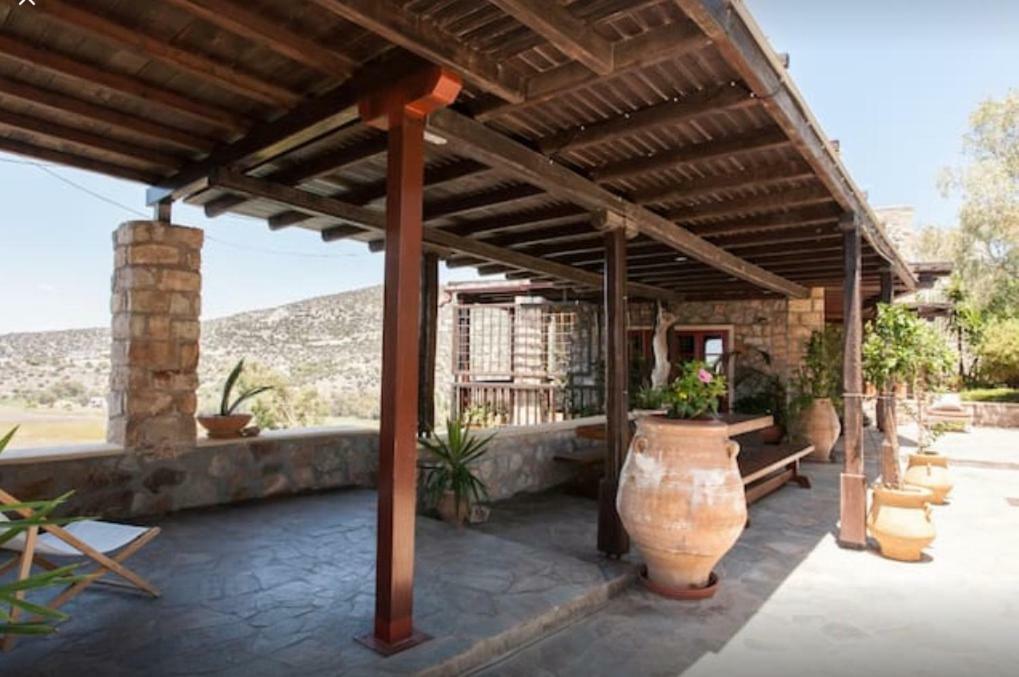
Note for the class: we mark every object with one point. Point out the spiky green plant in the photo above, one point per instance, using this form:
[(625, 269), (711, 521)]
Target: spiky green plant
[(226, 408), (451, 465), (42, 618)]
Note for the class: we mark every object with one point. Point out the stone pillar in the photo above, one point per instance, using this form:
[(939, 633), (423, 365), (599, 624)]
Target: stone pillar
[(156, 305)]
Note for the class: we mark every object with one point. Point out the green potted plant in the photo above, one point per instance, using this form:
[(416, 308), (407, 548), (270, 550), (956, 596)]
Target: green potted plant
[(228, 423), (680, 493), (449, 477), (759, 391), (818, 398), (900, 348)]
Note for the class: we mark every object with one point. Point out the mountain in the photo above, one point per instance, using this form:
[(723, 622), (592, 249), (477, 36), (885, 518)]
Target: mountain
[(330, 343)]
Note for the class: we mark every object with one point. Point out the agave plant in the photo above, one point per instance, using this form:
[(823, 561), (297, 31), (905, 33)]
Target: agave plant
[(451, 469), (226, 407), (42, 618)]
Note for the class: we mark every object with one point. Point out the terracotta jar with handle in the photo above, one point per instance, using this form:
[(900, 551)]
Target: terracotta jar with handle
[(821, 427), (681, 499), (901, 521), (930, 471)]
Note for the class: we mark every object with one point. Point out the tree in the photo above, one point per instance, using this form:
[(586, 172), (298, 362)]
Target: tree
[(283, 406), (987, 247)]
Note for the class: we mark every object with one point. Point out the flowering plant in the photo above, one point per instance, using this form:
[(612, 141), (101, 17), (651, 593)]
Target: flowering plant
[(695, 392)]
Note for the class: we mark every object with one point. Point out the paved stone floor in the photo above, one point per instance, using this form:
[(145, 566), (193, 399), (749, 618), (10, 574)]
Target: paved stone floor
[(279, 588), (793, 603)]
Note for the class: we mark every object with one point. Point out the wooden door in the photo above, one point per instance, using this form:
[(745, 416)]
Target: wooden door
[(707, 345)]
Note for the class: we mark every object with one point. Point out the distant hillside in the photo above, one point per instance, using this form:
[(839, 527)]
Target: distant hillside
[(332, 343)]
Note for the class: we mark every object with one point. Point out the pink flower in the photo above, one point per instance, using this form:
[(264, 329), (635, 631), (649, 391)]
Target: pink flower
[(705, 376)]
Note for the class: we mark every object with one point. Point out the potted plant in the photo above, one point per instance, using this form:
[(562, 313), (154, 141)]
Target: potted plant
[(680, 494), (899, 348), (818, 385), (648, 400), (449, 475), (228, 423)]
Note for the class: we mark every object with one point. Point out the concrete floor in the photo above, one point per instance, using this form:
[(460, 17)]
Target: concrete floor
[(793, 603), (280, 587)]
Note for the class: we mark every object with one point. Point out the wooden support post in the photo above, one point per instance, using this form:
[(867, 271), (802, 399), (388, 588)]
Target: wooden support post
[(162, 211), (887, 295), (401, 110), (426, 344), (853, 504), (612, 537)]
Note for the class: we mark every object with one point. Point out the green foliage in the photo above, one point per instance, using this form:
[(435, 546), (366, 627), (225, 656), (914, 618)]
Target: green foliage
[(820, 375), (649, 397), (899, 347), (991, 395), (226, 407), (279, 404), (999, 353), (450, 467), (769, 398), (42, 619), (695, 392)]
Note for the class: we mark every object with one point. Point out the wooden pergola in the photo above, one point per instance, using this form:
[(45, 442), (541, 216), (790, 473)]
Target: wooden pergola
[(650, 148)]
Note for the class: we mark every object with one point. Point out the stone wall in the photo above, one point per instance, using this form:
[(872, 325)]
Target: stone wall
[(779, 327), (994, 414), (155, 304), (112, 483)]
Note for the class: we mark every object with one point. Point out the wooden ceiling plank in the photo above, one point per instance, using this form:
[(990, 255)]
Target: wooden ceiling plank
[(375, 220), (36, 127), (486, 199), (755, 177), (655, 46), (422, 36), (89, 164), (488, 146), (778, 201), (434, 177), (144, 127), (160, 49), (509, 221), (725, 97), (239, 20), (570, 36), (52, 62), (761, 139)]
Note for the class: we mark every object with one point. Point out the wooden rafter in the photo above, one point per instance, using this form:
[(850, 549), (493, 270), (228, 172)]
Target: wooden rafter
[(504, 154), (655, 46), (58, 64), (485, 199), (572, 37), (725, 97), (797, 197), (422, 36), (755, 177), (434, 176), (374, 220), (807, 216), (238, 19), (210, 70), (72, 160), (761, 139), (138, 126), (516, 220)]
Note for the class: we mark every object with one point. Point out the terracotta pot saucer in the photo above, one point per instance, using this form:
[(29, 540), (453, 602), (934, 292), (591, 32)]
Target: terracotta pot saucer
[(686, 594)]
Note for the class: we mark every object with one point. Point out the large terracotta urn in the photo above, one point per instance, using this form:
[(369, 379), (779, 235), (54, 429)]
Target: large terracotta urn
[(901, 521), (821, 427), (681, 499), (930, 471)]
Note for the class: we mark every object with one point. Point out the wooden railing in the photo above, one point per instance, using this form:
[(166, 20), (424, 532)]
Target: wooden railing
[(490, 404)]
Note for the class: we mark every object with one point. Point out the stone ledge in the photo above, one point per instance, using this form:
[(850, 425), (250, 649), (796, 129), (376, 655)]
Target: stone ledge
[(62, 453)]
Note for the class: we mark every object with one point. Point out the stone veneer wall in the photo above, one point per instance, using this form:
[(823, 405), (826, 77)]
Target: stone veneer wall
[(112, 483), (781, 327), (994, 414), (156, 304)]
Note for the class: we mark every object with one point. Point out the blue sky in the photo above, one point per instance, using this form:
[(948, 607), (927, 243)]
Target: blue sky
[(894, 81)]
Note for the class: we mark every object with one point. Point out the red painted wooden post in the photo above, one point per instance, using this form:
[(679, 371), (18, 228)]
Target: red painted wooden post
[(853, 482), (401, 109)]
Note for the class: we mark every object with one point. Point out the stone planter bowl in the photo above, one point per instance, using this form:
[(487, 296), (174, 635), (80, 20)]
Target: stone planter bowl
[(224, 427)]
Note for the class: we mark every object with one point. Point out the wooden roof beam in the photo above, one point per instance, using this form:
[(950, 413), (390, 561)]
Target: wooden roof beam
[(434, 177), (771, 202), (755, 177), (204, 68), (239, 20), (725, 97), (655, 46), (102, 78), (461, 204), (563, 213), (374, 220), (506, 155), (72, 160), (424, 37), (570, 36), (807, 216), (757, 140), (124, 122), (743, 45)]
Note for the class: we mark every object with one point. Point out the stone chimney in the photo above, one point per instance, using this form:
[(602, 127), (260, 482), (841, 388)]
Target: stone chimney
[(898, 224)]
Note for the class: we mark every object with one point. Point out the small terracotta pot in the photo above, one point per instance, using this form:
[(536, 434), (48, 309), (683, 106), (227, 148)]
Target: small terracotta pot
[(225, 427), (681, 499), (821, 427), (929, 471), (449, 512), (901, 521)]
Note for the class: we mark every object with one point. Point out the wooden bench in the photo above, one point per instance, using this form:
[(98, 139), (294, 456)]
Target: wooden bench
[(768, 467), (589, 464)]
